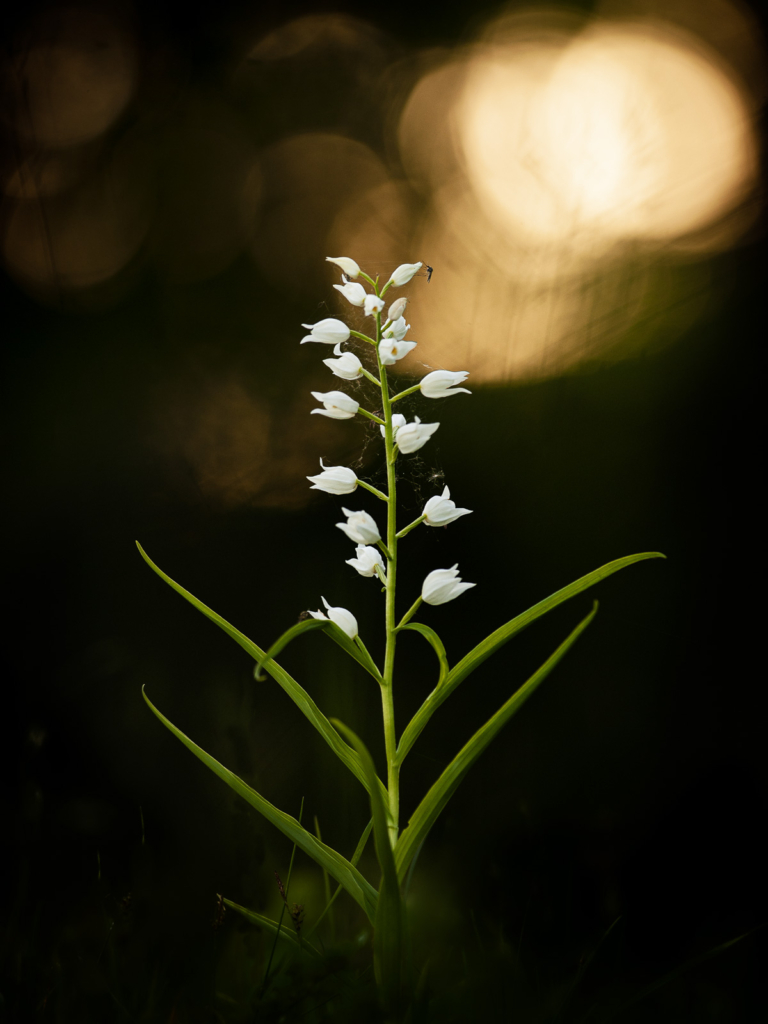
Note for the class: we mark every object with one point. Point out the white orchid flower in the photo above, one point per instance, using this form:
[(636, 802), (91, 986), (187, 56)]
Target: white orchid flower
[(397, 329), (334, 480), (354, 293), (398, 420), (412, 436), (397, 309), (338, 406), (390, 350), (440, 510), (368, 560), (440, 383), (344, 619), (348, 266), (329, 331), (347, 366), (442, 585), (373, 304), (360, 527), (404, 273)]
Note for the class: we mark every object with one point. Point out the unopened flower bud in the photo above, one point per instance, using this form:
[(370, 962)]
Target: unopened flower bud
[(344, 619), (404, 273), (443, 585), (360, 527), (440, 383), (338, 406), (334, 480), (354, 293), (368, 560), (440, 510), (349, 266), (329, 331), (398, 420), (413, 436), (397, 309), (347, 366)]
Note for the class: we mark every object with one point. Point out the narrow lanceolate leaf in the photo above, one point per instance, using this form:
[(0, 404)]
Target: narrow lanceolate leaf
[(353, 861), (387, 934), (498, 638), (431, 636), (431, 806), (290, 634), (295, 691), (336, 865), (288, 937)]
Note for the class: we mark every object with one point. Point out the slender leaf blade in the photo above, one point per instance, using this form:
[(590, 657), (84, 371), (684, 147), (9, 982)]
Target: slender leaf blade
[(290, 634), (361, 656), (289, 938), (353, 861), (437, 645), (337, 866), (432, 805), (295, 691), (387, 934), (498, 638)]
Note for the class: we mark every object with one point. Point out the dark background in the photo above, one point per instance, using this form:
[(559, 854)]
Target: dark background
[(632, 786)]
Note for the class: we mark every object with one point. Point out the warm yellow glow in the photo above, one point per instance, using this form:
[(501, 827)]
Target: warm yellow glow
[(558, 156)]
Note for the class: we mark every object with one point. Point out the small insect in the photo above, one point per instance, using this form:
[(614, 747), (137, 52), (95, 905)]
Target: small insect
[(430, 272)]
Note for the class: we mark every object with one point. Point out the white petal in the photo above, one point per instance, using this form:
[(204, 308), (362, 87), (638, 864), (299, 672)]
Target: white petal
[(349, 266), (404, 273)]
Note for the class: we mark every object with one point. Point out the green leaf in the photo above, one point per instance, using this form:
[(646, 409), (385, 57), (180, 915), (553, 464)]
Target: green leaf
[(289, 938), (432, 805), (431, 636), (497, 639), (295, 691), (285, 639), (336, 865), (362, 656), (353, 861), (388, 930)]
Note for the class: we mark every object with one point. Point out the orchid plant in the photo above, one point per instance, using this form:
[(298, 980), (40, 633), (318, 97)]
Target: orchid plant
[(376, 556)]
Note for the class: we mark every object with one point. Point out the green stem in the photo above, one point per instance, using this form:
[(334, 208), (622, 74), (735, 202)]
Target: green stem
[(408, 391), (411, 526), (372, 489), (411, 612), (362, 337), (387, 696), (384, 548), (370, 415), (371, 378)]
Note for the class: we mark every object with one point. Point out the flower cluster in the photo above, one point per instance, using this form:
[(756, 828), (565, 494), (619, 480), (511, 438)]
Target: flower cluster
[(374, 557)]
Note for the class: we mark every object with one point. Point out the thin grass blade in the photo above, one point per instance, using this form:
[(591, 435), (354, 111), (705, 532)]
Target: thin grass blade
[(295, 691), (337, 866), (288, 938), (353, 861), (498, 638), (441, 792)]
